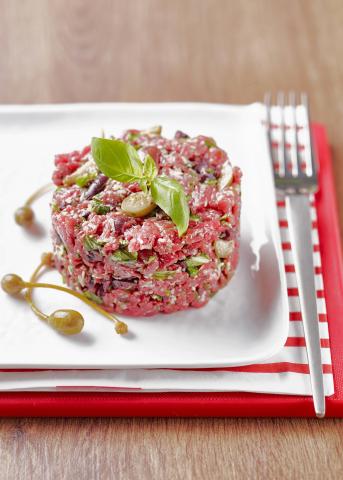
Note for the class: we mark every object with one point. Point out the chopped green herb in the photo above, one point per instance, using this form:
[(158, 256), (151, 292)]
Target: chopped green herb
[(91, 243), (157, 297), (98, 207), (91, 296), (210, 142), (151, 259), (193, 271), (194, 263), (163, 274), (197, 260), (55, 208), (84, 180), (122, 255), (196, 218), (211, 181)]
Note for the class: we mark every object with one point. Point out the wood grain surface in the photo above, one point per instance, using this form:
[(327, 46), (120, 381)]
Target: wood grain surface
[(228, 51)]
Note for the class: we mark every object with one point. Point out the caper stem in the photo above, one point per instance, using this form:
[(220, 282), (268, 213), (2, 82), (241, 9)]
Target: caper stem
[(38, 193), (78, 295), (28, 295)]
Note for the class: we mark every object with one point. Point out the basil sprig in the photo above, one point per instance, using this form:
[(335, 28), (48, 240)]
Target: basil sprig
[(120, 161)]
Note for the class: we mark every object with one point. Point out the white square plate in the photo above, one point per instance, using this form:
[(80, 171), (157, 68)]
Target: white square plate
[(244, 323)]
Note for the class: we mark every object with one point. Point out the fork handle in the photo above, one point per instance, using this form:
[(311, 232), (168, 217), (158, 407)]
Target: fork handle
[(300, 227)]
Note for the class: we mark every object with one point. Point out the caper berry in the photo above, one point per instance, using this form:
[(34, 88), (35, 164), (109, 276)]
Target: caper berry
[(47, 259), (68, 322), (24, 216), (137, 204), (121, 328), (12, 283)]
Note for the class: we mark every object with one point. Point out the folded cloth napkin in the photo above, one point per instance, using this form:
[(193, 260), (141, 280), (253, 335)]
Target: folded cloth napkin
[(285, 373)]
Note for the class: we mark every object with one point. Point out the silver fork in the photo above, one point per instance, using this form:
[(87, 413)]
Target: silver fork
[(297, 179)]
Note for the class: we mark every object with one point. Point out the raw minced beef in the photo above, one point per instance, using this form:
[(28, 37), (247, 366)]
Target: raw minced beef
[(140, 266)]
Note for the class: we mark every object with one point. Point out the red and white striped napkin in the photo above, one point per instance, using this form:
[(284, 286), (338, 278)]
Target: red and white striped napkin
[(285, 373)]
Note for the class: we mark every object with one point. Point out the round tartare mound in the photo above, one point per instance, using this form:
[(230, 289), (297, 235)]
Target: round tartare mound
[(140, 265)]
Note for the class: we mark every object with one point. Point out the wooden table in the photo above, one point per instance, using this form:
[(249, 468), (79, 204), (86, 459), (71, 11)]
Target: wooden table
[(153, 50)]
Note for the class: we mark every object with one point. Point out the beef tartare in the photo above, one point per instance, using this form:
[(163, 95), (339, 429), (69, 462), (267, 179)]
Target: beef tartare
[(123, 249)]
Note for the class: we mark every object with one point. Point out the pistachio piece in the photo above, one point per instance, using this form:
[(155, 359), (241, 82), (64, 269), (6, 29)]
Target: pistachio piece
[(138, 204), (88, 171), (223, 248)]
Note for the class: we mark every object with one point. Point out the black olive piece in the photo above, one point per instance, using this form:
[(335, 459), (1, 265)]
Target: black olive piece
[(179, 134), (96, 186)]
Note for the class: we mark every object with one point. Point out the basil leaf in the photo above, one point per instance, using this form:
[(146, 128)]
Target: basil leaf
[(149, 168), (169, 195), (117, 160)]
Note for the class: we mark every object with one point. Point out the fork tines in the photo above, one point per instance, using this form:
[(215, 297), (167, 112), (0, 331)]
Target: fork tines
[(288, 126)]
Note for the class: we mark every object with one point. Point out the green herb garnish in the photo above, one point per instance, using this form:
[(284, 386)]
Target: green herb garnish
[(151, 259), (210, 142), (122, 255), (163, 274), (55, 208), (84, 180), (91, 296), (91, 243), (194, 263), (117, 160), (197, 260), (150, 169), (98, 207), (169, 195), (120, 161), (157, 297)]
